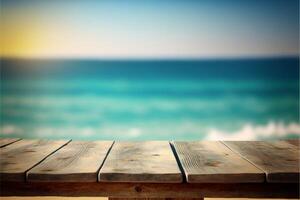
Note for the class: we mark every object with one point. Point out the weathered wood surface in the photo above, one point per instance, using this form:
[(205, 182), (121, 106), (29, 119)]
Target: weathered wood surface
[(151, 161), (278, 159), (6, 141), (153, 190), (75, 162), (113, 198), (294, 142), (21, 156), (129, 198), (213, 162), (148, 169)]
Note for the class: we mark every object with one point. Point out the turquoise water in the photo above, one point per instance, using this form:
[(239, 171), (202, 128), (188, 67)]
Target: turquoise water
[(157, 100)]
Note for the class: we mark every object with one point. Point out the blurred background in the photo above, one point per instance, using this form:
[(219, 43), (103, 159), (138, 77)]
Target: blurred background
[(150, 70)]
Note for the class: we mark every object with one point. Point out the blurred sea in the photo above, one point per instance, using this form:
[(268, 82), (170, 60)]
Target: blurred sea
[(242, 99)]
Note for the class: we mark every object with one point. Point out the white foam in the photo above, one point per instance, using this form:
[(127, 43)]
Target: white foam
[(182, 130), (134, 132), (271, 130), (10, 130)]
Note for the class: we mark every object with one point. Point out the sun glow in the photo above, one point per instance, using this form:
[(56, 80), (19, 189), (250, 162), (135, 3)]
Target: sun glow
[(110, 29)]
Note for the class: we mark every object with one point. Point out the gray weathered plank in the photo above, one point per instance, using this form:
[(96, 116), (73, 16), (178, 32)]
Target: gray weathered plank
[(20, 156), (6, 141), (213, 162), (278, 159), (151, 161), (76, 162)]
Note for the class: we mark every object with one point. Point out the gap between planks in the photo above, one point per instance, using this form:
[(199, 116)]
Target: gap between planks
[(98, 172), (278, 159), (213, 162), (8, 141), (145, 161), (79, 161), (18, 158), (184, 180), (236, 152), (44, 159)]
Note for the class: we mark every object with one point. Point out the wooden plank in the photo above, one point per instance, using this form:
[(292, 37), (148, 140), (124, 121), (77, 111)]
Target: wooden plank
[(7, 141), (152, 190), (279, 159), (213, 162), (151, 161), (76, 162), (294, 142), (21, 156), (113, 198)]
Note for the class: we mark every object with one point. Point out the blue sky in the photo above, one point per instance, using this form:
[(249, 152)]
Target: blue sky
[(207, 28)]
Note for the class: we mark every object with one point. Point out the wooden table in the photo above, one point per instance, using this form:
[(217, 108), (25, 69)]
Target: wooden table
[(150, 169)]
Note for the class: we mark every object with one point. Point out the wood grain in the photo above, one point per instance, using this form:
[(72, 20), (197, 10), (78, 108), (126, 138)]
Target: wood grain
[(21, 156), (278, 159), (151, 161), (76, 162), (213, 162), (7, 141), (112, 198), (294, 142), (152, 190)]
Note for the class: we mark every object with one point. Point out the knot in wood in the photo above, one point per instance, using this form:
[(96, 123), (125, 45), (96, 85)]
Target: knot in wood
[(138, 189)]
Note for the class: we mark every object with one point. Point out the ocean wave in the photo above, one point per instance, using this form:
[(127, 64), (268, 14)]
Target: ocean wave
[(271, 130), (181, 131), (117, 105), (9, 129), (136, 88)]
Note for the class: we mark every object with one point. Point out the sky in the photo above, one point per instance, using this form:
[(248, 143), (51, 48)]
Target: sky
[(149, 29)]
